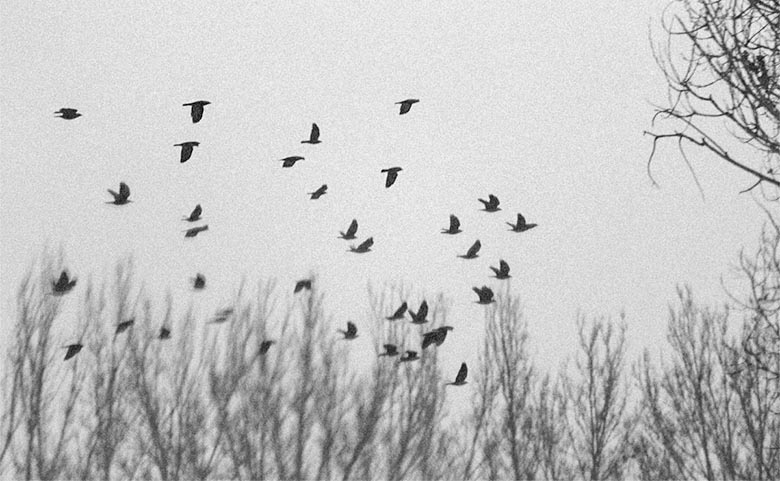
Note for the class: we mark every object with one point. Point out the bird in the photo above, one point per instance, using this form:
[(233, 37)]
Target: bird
[(68, 114), (199, 281), (314, 136), (196, 230), (390, 350), (196, 110), (472, 252), (491, 205), (351, 332), (410, 356), (460, 378), (392, 174), (122, 197), (365, 246), (123, 326), (420, 316), (165, 333), (485, 294), (521, 225), (399, 313), (351, 230), (436, 336), (290, 161), (503, 270), (319, 192), (454, 226), (265, 346), (63, 285), (186, 150), (302, 284), (406, 105), (195, 214), (73, 349)]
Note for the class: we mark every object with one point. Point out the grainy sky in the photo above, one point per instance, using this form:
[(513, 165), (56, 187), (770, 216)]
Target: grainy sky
[(540, 103)]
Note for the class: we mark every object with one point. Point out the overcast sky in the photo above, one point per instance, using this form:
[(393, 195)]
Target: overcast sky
[(540, 103)]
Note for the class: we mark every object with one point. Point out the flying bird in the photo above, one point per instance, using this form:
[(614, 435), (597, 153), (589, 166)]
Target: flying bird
[(399, 313), (319, 192), (302, 284), (196, 230), (199, 281), (68, 114), (503, 270), (460, 378), (390, 350), (122, 197), (363, 247), (406, 105), (196, 110), (73, 349), (351, 332), (436, 336), (485, 294), (63, 285), (392, 174), (410, 356), (195, 214), (165, 333), (472, 252), (491, 205), (123, 326), (290, 161), (314, 136), (521, 225), (265, 346), (420, 316), (351, 230), (186, 150), (454, 226)]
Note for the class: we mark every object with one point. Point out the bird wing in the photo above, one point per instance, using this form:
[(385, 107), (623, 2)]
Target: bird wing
[(351, 328), (479, 292), (315, 133), (196, 112), (405, 107), (493, 200), (391, 176), (400, 311), (63, 279), (423, 310), (462, 373), (474, 249), (366, 244), (124, 190), (353, 227), (503, 267), (454, 223), (429, 338), (196, 212), (186, 152), (520, 220)]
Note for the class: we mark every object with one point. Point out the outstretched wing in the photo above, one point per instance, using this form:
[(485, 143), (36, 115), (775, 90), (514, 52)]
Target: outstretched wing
[(423, 310), (405, 107), (366, 244), (401, 310), (462, 373), (353, 227), (315, 133), (390, 348), (454, 223), (503, 267), (493, 200), (196, 212), (474, 249), (124, 190), (196, 112), (351, 328)]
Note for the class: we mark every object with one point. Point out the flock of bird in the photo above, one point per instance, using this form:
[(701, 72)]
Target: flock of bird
[(435, 337)]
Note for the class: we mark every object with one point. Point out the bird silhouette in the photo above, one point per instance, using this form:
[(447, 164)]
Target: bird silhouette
[(302, 284), (73, 349), (314, 136), (521, 225), (390, 350), (319, 192), (485, 294), (454, 226), (351, 230), (399, 313), (290, 161), (460, 378), (350, 333), (123, 326), (420, 316), (503, 270), (195, 214), (196, 110), (196, 230), (473, 250), (122, 197), (365, 246), (165, 333), (199, 281), (410, 356), (265, 346), (63, 285), (406, 105), (392, 174), (491, 205), (68, 114), (186, 150), (436, 336)]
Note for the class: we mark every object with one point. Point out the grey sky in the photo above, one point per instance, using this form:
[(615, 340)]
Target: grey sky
[(540, 103)]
